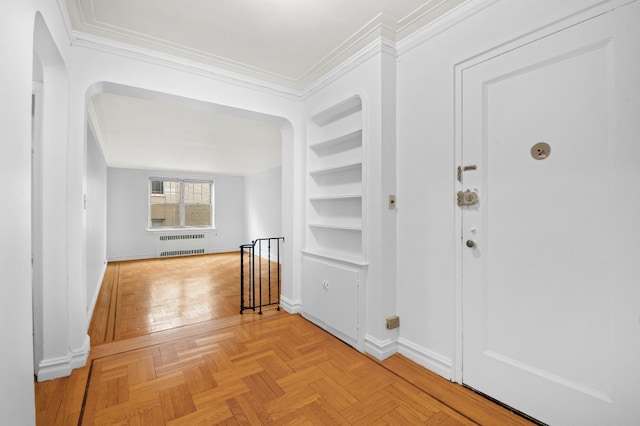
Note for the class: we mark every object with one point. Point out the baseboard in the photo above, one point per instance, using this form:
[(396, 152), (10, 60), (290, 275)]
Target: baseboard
[(380, 349), (79, 356), (435, 362), (153, 255), (131, 257), (54, 368), (97, 293), (290, 306)]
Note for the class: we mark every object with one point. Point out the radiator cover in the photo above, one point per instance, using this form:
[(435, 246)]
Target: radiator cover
[(181, 244)]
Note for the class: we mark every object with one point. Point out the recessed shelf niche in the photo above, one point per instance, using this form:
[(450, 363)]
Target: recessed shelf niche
[(335, 182)]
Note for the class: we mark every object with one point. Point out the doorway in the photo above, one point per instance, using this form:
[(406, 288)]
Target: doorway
[(549, 308)]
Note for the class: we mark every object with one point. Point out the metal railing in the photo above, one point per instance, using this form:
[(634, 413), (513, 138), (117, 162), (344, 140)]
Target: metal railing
[(254, 273)]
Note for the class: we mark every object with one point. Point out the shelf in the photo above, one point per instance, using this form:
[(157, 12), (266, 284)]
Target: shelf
[(336, 112), (337, 168), (354, 260), (338, 227), (335, 197), (335, 161), (351, 136)]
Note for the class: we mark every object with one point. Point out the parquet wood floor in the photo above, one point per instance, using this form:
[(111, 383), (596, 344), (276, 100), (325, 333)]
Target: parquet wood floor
[(236, 369)]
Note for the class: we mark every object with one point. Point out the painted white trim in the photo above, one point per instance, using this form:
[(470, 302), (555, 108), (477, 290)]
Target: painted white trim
[(545, 30), (54, 368), (79, 356), (376, 46), (153, 255), (66, 19), (290, 306), (433, 361), (473, 7), (380, 349), (443, 23), (94, 300), (253, 81), (372, 31), (380, 25)]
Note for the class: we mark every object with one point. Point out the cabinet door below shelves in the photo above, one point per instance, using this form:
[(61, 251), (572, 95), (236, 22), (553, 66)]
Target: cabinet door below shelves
[(313, 288), (330, 297), (342, 300)]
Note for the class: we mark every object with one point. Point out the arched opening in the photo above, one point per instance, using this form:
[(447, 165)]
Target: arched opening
[(138, 129)]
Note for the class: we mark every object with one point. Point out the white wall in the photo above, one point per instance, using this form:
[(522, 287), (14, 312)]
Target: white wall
[(96, 219), (369, 76), (128, 236), (263, 204), (16, 54)]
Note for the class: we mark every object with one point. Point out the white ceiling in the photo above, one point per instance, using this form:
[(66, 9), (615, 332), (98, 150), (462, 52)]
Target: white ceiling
[(288, 43), (142, 133)]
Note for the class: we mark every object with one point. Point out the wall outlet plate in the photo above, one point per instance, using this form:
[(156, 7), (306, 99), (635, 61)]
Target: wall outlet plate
[(393, 322)]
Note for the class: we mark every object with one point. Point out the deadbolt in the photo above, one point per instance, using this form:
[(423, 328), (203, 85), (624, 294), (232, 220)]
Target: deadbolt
[(467, 198), (471, 243)]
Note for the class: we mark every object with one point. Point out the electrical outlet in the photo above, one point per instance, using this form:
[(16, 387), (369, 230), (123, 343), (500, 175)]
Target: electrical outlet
[(393, 322)]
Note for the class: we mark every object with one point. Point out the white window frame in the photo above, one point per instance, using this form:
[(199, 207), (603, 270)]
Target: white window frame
[(181, 204)]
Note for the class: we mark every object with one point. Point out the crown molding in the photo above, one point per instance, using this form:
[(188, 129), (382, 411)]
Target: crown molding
[(380, 34), (442, 23), (379, 45), (361, 39), (423, 16), (242, 79), (246, 77), (228, 70), (66, 19), (117, 40), (325, 75), (140, 42)]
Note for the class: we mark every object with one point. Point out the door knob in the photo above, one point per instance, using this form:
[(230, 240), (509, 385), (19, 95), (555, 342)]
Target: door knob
[(471, 243)]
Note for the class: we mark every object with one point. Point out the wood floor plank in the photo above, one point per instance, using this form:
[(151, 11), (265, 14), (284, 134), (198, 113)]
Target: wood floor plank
[(467, 402), (175, 351)]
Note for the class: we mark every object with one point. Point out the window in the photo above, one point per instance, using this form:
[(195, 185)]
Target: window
[(157, 187), (177, 203)]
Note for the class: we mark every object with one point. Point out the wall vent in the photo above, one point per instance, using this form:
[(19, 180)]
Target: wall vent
[(181, 244)]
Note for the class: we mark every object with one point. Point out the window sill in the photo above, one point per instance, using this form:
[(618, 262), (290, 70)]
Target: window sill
[(207, 229)]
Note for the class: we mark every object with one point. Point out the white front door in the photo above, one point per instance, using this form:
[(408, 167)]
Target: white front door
[(551, 292)]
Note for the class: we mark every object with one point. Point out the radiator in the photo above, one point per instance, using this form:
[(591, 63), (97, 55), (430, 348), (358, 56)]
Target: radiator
[(181, 245)]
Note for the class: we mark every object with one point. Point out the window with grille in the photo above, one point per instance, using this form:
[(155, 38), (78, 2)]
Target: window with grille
[(175, 203)]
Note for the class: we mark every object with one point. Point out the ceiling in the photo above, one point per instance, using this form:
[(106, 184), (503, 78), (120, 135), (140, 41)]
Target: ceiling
[(285, 43), (171, 134)]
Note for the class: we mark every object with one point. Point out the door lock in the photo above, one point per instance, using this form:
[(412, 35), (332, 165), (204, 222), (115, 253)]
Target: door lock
[(471, 243), (467, 198)]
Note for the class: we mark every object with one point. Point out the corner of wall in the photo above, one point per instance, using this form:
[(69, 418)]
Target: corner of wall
[(54, 368), (380, 349), (290, 306)]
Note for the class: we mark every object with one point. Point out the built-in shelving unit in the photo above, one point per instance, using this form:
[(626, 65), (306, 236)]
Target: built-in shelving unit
[(335, 225), (334, 263)]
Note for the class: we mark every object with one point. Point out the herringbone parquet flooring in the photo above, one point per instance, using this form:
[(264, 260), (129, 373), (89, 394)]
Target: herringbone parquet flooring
[(225, 368)]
